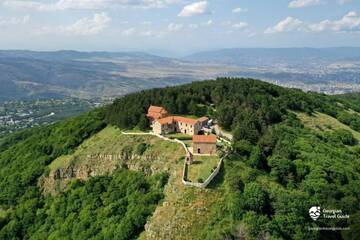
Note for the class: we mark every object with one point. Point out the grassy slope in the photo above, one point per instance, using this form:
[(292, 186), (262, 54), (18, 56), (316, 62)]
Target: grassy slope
[(184, 211), (323, 122), (111, 142)]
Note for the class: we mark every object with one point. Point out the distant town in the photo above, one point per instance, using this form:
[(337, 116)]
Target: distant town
[(17, 115)]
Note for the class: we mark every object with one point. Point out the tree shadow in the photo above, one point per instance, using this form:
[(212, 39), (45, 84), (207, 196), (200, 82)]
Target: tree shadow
[(195, 162), (218, 181)]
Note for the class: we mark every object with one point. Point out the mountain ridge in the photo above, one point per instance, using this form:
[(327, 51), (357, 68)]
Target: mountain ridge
[(103, 75), (337, 52)]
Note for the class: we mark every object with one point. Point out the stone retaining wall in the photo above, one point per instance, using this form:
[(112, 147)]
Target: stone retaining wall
[(207, 181), (186, 183)]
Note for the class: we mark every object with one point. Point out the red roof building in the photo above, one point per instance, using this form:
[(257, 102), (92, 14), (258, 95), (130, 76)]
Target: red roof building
[(204, 144), (204, 139), (162, 123), (177, 119), (155, 112)]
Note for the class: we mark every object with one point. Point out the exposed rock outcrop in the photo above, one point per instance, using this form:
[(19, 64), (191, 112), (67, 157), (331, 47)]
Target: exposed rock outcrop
[(96, 165)]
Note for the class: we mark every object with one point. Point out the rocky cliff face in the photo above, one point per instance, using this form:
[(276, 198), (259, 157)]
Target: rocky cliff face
[(96, 165)]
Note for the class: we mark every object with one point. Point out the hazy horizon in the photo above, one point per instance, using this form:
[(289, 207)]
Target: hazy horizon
[(169, 53)]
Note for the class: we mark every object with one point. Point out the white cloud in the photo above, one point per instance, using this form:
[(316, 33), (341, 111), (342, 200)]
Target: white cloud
[(152, 34), (175, 27), (239, 10), (86, 4), (197, 8), (74, 4), (287, 25), (240, 25), (128, 32), (304, 3), (207, 23), (14, 21), (350, 22), (84, 26), (145, 33), (21, 4)]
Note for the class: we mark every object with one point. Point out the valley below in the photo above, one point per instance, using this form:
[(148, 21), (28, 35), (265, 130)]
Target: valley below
[(107, 75)]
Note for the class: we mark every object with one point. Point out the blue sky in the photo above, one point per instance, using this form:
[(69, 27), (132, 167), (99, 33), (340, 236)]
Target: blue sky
[(178, 26)]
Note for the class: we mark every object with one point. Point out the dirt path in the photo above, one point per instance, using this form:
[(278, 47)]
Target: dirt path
[(222, 133)]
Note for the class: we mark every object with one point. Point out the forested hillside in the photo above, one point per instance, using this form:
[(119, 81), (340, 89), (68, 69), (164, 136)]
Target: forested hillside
[(287, 157), (279, 167)]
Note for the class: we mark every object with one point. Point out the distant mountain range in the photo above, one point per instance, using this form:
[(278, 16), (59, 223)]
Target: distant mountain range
[(32, 75), (29, 74), (273, 56)]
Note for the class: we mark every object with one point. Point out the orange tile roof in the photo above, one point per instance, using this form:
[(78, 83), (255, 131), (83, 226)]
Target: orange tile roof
[(185, 120), (166, 120), (204, 139), (156, 112), (172, 119), (157, 109)]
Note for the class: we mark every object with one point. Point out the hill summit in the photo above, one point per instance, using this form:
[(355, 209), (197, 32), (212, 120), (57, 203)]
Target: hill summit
[(291, 151)]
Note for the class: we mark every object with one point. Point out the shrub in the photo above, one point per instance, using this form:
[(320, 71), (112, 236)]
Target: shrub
[(254, 197), (141, 148), (343, 136)]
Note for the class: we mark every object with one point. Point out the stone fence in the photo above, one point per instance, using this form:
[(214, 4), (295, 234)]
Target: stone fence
[(207, 181), (186, 183)]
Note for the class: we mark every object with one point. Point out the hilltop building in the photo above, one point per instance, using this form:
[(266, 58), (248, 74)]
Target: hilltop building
[(203, 121), (155, 113), (204, 144), (162, 123), (176, 124)]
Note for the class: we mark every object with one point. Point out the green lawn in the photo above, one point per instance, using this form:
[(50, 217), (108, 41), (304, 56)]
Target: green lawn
[(202, 167), (188, 143)]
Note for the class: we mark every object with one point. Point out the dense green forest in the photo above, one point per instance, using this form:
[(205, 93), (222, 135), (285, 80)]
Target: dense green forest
[(25, 155), (277, 170), (107, 207)]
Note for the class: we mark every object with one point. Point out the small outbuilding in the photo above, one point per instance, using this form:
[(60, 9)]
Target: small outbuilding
[(204, 144), (203, 121)]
